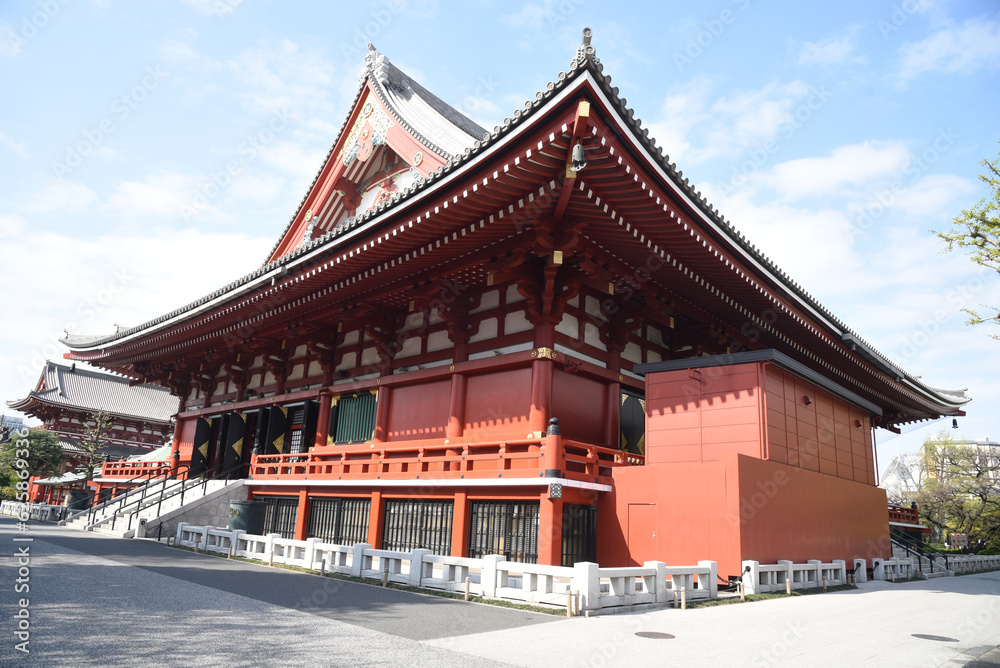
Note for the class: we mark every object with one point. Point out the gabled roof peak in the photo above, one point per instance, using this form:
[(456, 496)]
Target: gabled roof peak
[(585, 52)]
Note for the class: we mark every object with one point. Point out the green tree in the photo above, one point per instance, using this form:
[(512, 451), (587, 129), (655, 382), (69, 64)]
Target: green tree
[(44, 455), (977, 231), (96, 434), (960, 492)]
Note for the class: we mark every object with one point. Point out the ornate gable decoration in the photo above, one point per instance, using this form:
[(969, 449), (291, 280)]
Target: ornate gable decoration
[(369, 131)]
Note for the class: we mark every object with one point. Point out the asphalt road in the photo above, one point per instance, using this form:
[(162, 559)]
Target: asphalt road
[(100, 601)]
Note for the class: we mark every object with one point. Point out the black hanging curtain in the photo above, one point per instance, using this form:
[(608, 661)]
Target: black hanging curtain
[(199, 452), (234, 444), (309, 423), (277, 425), (633, 424)]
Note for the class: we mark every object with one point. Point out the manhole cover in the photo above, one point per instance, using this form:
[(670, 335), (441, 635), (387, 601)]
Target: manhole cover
[(656, 635), (924, 636)]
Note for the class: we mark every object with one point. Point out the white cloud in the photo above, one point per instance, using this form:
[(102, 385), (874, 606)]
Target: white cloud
[(957, 50), (692, 130), (213, 7), (88, 283), (934, 196), (11, 44), (832, 50), (16, 146), (160, 194), (57, 197), (10, 225), (856, 165)]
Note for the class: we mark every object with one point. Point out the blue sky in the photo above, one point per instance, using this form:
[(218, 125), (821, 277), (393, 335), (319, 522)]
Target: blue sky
[(152, 152)]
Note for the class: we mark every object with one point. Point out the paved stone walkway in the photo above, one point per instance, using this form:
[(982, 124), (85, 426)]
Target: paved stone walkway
[(98, 601)]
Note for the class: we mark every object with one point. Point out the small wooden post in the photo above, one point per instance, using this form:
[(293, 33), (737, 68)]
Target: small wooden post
[(676, 593), (576, 602), (230, 555), (569, 603), (788, 586), (322, 567), (684, 598), (385, 575), (824, 583), (467, 583), (743, 593)]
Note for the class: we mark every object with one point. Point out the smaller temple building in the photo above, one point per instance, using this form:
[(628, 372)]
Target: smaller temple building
[(66, 397)]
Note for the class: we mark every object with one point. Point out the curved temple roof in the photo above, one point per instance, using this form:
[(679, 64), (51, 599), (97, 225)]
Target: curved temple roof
[(90, 390), (450, 128)]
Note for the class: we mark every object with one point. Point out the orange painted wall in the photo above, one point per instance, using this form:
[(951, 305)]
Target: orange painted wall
[(497, 405), (419, 411), (821, 436), (692, 505), (791, 513), (703, 414)]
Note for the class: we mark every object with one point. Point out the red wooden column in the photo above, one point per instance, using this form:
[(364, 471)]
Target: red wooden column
[(613, 403), (456, 419), (541, 378), (375, 519), (382, 415), (460, 525), (550, 516), (302, 519), (323, 419)]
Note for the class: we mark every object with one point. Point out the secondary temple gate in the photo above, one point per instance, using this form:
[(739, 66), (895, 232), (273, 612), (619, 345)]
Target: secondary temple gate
[(539, 341)]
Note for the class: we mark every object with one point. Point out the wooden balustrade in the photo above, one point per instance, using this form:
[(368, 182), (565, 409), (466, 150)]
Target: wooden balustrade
[(128, 469), (407, 460), (903, 514)]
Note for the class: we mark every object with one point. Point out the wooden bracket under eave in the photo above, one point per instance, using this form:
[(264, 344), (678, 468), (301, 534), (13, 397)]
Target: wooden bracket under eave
[(579, 127)]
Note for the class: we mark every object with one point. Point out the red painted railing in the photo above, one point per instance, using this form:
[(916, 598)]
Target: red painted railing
[(134, 469), (411, 460), (903, 514)]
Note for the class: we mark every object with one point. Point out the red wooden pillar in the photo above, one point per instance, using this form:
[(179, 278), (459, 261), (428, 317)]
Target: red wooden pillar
[(456, 419), (460, 525), (175, 450), (550, 516), (323, 419), (302, 519), (375, 519), (541, 379), (381, 415), (613, 404)]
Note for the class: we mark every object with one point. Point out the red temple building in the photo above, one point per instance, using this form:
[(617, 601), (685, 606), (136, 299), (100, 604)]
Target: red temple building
[(65, 398), (538, 341)]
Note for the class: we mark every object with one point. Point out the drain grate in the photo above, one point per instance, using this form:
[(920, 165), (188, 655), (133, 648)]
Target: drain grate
[(924, 636), (656, 635)]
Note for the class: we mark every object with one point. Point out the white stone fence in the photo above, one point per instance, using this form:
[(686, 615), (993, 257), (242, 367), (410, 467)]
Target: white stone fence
[(762, 578), (973, 563), (31, 511), (583, 588)]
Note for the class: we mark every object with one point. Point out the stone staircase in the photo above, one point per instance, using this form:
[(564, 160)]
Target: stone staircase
[(158, 502), (939, 571)]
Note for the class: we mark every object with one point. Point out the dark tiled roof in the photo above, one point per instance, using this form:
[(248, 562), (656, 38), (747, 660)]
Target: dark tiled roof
[(92, 390), (110, 451)]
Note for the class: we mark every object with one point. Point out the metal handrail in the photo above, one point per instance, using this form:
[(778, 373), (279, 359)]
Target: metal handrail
[(203, 481), (144, 479), (918, 547)]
